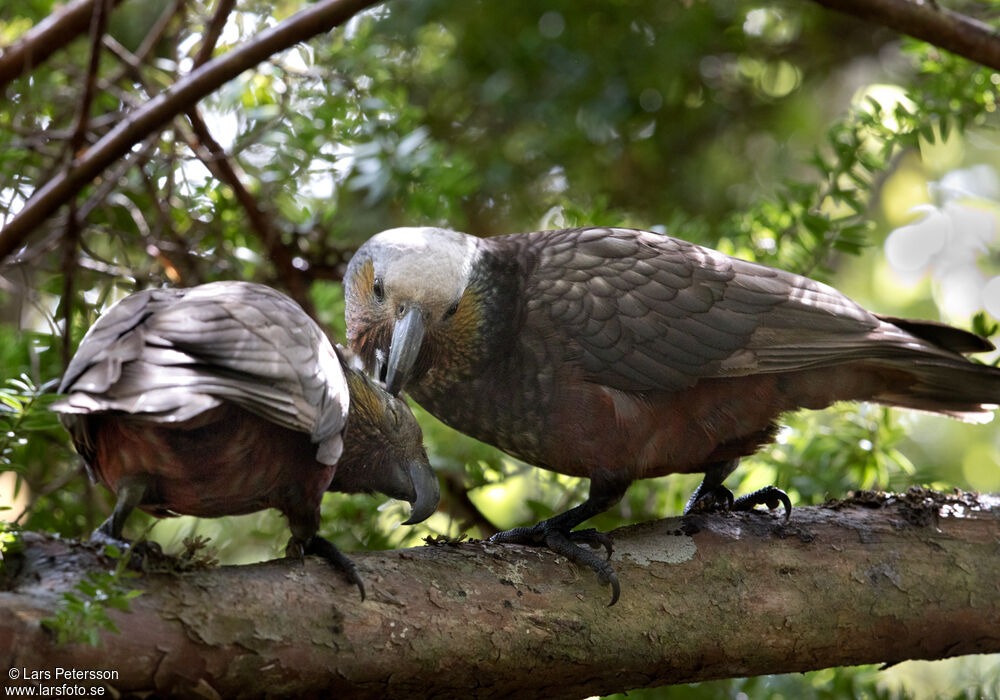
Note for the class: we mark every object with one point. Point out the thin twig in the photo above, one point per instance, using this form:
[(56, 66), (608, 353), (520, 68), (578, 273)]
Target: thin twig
[(77, 143), (71, 242), (110, 181), (457, 502), (213, 31), (294, 279), (133, 61), (315, 19), (214, 156), (45, 38), (158, 30), (176, 255), (132, 67)]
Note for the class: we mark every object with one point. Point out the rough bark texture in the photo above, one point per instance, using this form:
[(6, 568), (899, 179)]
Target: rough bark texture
[(875, 579)]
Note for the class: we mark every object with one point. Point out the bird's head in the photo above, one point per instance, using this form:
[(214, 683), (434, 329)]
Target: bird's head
[(407, 295), (384, 450)]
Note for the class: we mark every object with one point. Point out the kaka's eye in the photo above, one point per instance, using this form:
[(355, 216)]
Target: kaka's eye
[(378, 289), (451, 310)]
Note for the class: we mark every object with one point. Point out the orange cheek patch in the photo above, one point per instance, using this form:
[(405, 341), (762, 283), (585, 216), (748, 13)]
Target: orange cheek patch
[(465, 322), (361, 301), (366, 278), (361, 312)]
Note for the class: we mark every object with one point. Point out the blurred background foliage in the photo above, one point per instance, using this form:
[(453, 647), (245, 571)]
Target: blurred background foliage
[(772, 130)]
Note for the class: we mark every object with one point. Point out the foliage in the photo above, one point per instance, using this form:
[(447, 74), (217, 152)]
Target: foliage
[(769, 130), (35, 460), (23, 413), (10, 541), (82, 615)]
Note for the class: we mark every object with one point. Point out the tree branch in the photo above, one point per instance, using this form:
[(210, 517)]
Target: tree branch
[(875, 579), (211, 153), (214, 157), (213, 31), (77, 140), (45, 38), (315, 19), (455, 501), (962, 35)]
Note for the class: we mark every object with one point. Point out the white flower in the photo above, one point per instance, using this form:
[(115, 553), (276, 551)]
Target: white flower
[(911, 248), (949, 240), (978, 182)]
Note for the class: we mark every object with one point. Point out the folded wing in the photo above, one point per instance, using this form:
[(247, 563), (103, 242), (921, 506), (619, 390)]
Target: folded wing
[(167, 355)]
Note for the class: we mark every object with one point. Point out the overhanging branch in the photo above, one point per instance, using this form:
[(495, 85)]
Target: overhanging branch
[(872, 580), (315, 19), (950, 30), (922, 19), (48, 36)]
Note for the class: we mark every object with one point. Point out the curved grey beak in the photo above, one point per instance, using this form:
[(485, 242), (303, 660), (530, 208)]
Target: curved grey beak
[(407, 335), (426, 492)]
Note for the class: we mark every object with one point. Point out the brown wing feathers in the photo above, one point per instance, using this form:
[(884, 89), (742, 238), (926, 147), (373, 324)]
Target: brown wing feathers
[(169, 354), (647, 312)]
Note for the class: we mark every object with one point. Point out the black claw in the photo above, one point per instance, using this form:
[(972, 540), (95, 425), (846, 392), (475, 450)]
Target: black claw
[(719, 499), (564, 544), (615, 589), (295, 549), (770, 496), (326, 549)]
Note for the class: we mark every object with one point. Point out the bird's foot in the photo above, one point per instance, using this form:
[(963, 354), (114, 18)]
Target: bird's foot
[(721, 499), (770, 496), (321, 547), (710, 501), (138, 553), (567, 545)]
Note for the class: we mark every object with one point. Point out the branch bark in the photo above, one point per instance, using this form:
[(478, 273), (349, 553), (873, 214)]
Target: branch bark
[(926, 20), (219, 165), (315, 19), (45, 38), (950, 30), (77, 140), (874, 579)]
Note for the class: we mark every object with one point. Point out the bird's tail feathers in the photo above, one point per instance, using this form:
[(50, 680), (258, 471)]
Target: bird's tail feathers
[(958, 388), (941, 334)]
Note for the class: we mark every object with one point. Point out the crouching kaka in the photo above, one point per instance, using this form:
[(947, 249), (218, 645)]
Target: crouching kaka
[(226, 399), (618, 355)]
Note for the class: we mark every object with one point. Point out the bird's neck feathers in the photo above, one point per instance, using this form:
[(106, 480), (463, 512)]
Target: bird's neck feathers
[(479, 331), (366, 419), (364, 407)]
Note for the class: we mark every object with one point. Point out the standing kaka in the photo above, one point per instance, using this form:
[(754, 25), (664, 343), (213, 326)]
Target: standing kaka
[(618, 355), (227, 398)]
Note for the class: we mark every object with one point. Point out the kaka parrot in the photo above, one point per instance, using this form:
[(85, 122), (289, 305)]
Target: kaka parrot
[(226, 398), (618, 354)]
